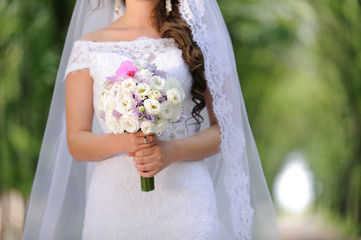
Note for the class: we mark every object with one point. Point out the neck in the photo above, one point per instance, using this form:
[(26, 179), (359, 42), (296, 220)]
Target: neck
[(139, 13)]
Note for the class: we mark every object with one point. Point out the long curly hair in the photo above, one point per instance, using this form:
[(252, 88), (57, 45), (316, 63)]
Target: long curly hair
[(173, 26)]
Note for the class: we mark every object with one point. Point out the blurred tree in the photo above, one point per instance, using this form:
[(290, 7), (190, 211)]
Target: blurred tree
[(299, 67), (31, 38), (339, 42)]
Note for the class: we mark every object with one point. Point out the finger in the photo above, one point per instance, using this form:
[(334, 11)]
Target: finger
[(130, 155), (147, 159), (142, 160), (141, 134), (145, 152), (144, 146), (146, 167), (148, 174)]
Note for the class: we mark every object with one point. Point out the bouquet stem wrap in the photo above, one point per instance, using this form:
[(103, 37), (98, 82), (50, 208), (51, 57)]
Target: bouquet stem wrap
[(147, 184)]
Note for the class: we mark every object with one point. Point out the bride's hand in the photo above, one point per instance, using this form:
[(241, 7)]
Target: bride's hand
[(152, 160), (138, 141)]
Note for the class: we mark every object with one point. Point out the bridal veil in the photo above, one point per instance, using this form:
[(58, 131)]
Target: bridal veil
[(245, 209)]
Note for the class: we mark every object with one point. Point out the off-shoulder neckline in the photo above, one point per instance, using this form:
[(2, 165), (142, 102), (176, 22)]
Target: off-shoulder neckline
[(139, 39)]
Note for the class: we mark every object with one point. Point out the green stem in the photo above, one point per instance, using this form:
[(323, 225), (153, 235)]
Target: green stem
[(147, 184)]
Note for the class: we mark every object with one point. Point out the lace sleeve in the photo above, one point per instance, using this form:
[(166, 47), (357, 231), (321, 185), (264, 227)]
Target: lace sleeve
[(79, 59)]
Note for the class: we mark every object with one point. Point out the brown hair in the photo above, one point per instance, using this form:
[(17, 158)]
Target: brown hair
[(173, 26)]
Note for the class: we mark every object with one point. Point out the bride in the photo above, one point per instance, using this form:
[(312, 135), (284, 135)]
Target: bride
[(209, 184)]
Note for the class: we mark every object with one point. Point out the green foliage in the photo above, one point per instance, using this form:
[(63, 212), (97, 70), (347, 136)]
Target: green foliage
[(300, 71), (30, 48)]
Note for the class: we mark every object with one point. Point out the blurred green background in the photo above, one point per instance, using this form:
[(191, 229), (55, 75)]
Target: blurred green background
[(299, 64)]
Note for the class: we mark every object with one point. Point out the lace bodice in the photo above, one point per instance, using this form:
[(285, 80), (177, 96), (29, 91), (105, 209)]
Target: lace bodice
[(102, 59)]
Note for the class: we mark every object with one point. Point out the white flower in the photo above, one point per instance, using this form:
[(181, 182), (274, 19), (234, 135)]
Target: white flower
[(115, 125), (152, 106), (128, 85), (100, 109), (124, 104), (130, 122), (115, 90), (160, 126), (154, 94), (147, 127), (172, 82), (166, 110), (175, 113), (108, 104), (158, 83), (142, 90), (170, 112), (174, 96), (144, 74)]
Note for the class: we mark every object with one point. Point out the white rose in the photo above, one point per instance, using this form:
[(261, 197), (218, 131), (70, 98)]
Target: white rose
[(108, 104), (100, 109), (125, 104), (174, 96), (115, 125), (154, 94), (128, 85), (144, 74), (142, 90), (152, 106), (166, 110), (130, 122), (161, 126), (157, 83), (105, 98), (176, 111), (172, 82), (115, 90), (147, 127)]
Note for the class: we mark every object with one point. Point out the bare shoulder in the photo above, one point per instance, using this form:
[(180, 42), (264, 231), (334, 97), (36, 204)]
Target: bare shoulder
[(99, 35)]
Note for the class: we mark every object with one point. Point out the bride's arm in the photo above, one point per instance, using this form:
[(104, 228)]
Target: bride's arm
[(83, 144), (203, 144), (199, 146)]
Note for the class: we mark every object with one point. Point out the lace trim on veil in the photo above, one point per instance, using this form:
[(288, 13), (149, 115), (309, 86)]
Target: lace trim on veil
[(233, 146)]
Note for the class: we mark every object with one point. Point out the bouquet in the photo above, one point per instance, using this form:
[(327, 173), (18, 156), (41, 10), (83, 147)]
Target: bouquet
[(141, 97)]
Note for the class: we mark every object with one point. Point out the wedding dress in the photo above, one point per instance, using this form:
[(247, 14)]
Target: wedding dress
[(183, 204)]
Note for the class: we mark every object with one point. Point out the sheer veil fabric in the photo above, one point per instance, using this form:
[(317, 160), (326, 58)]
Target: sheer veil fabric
[(245, 209)]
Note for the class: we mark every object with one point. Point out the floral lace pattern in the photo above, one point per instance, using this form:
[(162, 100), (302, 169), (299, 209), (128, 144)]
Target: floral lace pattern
[(232, 136)]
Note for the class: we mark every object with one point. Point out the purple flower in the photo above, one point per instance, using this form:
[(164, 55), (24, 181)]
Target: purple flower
[(136, 112), (116, 114), (161, 74), (150, 117), (143, 80), (152, 67), (182, 117), (162, 98)]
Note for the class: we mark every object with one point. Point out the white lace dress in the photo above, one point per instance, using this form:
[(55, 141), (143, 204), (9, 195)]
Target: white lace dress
[(183, 204)]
